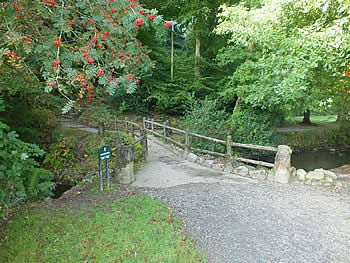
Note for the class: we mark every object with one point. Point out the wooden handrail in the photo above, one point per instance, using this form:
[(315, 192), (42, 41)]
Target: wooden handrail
[(228, 143)]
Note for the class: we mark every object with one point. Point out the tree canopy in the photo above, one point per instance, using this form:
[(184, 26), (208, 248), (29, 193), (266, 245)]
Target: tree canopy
[(296, 54), (80, 49)]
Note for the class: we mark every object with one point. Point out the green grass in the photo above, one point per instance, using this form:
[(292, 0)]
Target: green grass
[(318, 120), (131, 229)]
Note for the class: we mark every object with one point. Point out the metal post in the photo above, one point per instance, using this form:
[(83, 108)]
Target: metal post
[(100, 174), (108, 175), (172, 54)]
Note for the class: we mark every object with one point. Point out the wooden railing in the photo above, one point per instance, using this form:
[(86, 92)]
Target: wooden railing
[(183, 140)]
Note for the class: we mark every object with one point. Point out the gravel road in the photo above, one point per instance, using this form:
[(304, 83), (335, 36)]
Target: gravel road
[(234, 220)]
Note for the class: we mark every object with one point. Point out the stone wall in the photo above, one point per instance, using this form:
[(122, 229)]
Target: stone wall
[(318, 177)]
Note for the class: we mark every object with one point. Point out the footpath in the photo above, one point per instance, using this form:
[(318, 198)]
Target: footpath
[(235, 219)]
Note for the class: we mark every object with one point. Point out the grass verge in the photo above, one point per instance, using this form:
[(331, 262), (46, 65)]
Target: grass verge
[(129, 229)]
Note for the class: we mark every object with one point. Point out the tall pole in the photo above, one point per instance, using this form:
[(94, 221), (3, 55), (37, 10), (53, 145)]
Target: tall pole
[(172, 53)]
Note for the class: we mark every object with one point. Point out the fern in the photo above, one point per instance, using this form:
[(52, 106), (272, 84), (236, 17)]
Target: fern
[(38, 183)]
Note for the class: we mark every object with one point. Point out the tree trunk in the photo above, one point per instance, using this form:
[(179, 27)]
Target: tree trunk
[(306, 119), (197, 68)]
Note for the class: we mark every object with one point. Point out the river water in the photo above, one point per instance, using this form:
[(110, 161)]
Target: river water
[(325, 159)]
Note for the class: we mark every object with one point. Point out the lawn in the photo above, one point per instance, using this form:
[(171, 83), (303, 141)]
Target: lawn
[(127, 229), (318, 120)]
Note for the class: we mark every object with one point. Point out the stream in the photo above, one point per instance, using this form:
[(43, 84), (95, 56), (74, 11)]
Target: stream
[(324, 158)]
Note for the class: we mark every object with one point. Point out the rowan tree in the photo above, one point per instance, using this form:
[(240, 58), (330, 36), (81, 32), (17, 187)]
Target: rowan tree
[(80, 49)]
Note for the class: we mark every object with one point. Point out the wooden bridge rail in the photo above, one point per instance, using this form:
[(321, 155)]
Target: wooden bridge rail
[(166, 132)]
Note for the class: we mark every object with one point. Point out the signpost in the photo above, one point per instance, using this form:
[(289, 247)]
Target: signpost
[(104, 153)]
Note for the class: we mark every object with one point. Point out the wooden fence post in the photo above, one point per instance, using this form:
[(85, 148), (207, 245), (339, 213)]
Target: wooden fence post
[(152, 127), (101, 128), (144, 123), (229, 146), (187, 143), (126, 125), (164, 131)]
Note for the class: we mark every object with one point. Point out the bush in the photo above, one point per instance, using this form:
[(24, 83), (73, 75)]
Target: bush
[(252, 126), (205, 118), (20, 177), (98, 111)]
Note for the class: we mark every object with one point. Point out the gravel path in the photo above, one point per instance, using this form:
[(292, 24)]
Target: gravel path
[(234, 220)]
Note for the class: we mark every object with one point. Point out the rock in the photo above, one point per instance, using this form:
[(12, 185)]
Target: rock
[(241, 170), (315, 175), (126, 175), (293, 172), (329, 179), (218, 166), (192, 157), (330, 174), (270, 175), (282, 167), (259, 175), (208, 163), (200, 160), (301, 174), (228, 169), (338, 187)]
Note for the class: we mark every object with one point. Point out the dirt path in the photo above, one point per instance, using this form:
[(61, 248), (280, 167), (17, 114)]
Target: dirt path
[(234, 219)]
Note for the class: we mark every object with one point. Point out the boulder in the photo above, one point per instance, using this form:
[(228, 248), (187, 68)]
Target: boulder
[(192, 157), (329, 179), (282, 167), (218, 166), (241, 170), (259, 175), (338, 187), (315, 175), (228, 169), (330, 174), (301, 174), (208, 163)]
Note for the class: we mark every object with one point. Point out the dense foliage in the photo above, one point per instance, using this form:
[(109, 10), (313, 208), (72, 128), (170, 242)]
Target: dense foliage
[(296, 55), (206, 117), (20, 175), (80, 49)]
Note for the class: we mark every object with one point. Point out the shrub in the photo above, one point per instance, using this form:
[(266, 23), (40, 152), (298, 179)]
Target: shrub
[(252, 126), (205, 118), (98, 111), (20, 177)]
